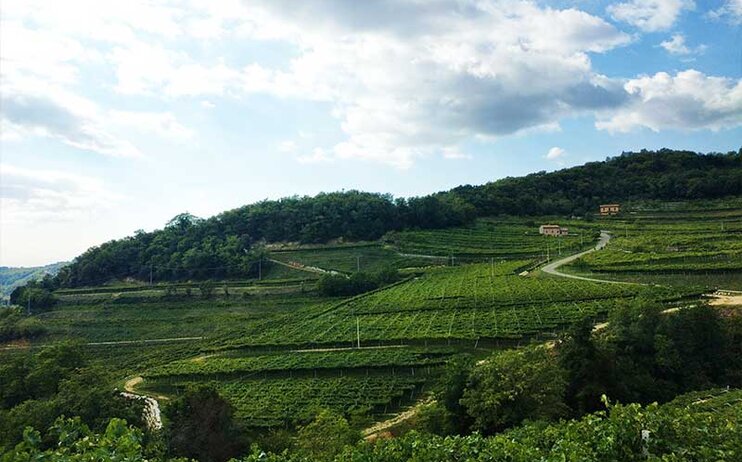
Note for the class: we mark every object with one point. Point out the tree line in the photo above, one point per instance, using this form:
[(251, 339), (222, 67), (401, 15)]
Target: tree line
[(230, 244)]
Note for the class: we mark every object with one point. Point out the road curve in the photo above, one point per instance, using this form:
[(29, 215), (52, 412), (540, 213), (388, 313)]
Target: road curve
[(552, 267)]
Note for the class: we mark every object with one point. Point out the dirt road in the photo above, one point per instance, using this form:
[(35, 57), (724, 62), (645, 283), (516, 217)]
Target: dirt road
[(552, 268)]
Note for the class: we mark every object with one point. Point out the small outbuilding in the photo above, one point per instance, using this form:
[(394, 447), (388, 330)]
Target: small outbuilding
[(553, 230), (610, 209)]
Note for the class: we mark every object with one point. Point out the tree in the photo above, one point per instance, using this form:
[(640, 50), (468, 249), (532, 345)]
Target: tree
[(515, 385), (588, 370), (202, 426), (326, 436)]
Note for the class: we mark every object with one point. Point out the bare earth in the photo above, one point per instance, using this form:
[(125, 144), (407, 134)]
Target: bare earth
[(381, 427), (728, 299)]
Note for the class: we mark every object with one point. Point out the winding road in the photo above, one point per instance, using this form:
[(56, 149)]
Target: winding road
[(552, 268)]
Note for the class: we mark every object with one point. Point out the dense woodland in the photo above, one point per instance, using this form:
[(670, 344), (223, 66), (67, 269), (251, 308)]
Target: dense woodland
[(229, 244)]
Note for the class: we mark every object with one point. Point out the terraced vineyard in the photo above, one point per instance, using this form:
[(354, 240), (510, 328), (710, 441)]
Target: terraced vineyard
[(495, 238), (271, 402), (683, 242), (347, 259), (301, 361), (267, 390), (471, 302)]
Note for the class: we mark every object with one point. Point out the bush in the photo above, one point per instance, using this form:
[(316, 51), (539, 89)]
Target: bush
[(202, 426), (514, 385)]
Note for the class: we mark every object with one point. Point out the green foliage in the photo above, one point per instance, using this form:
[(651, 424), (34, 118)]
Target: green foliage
[(202, 427), (326, 436), (515, 385), (675, 432), (228, 245), (75, 442), (14, 325), (32, 296), (207, 289), (449, 391), (644, 355), (35, 389), (334, 285), (664, 174)]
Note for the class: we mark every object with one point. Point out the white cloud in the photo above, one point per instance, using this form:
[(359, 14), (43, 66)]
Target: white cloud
[(317, 156), (731, 11), (650, 15), (453, 153), (164, 124), (34, 196), (36, 109), (411, 79), (677, 46), (690, 100), (555, 153), (287, 146)]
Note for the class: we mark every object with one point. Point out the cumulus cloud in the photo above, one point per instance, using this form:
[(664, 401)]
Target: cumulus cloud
[(690, 100), (730, 11), (405, 79), (677, 46), (31, 196), (59, 115), (412, 79), (650, 15), (555, 153)]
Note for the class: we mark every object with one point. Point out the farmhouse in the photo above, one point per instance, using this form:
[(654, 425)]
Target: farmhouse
[(610, 209), (553, 230)]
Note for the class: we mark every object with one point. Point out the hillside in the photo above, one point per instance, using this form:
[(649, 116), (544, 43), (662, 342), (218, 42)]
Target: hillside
[(463, 317), (229, 245), (11, 277)]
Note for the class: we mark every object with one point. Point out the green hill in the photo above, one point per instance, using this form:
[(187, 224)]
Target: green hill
[(228, 245), (11, 277)]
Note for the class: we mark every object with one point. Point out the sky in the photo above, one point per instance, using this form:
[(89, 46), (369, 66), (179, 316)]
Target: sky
[(118, 115)]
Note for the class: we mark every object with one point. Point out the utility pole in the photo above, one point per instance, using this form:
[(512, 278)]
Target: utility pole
[(547, 253), (151, 270), (28, 310), (260, 269), (358, 332), (358, 264)]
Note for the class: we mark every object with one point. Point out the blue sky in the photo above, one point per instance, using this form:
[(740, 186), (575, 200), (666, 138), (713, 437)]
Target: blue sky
[(118, 115)]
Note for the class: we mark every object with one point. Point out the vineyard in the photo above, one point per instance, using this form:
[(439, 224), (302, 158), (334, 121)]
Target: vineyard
[(472, 302), (301, 361), (348, 259), (672, 242), (278, 350), (495, 238)]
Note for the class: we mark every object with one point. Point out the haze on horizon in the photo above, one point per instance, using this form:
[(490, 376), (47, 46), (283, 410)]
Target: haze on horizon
[(116, 116)]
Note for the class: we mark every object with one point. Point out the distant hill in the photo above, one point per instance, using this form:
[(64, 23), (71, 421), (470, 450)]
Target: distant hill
[(229, 244), (11, 277)]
